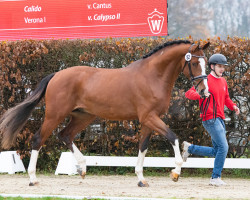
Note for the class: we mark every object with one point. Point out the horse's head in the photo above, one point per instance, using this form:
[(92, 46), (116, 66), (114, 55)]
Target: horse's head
[(195, 68)]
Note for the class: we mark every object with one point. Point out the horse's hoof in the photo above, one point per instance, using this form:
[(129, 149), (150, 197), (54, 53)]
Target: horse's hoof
[(143, 184), (174, 176), (33, 184)]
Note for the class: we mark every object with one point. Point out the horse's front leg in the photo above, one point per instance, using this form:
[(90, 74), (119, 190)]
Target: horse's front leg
[(139, 169), (154, 122), (143, 145)]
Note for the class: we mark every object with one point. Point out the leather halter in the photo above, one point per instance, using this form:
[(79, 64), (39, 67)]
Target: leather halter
[(188, 58)]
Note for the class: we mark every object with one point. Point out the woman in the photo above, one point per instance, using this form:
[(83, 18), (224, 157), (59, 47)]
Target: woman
[(215, 126)]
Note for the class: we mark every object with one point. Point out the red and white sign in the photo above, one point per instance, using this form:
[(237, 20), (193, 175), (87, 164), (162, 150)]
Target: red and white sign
[(54, 19)]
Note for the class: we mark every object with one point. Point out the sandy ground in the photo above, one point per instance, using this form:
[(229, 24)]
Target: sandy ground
[(125, 186)]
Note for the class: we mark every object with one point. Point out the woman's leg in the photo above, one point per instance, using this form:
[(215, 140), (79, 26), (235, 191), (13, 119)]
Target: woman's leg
[(220, 146)]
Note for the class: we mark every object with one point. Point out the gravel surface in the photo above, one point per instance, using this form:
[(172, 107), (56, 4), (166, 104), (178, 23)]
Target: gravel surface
[(125, 186)]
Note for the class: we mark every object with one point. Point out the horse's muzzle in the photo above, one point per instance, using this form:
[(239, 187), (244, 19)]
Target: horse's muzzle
[(204, 94)]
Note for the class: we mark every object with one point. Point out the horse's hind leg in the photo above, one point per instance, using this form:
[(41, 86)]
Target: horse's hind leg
[(143, 145), (79, 121), (37, 141), (32, 167)]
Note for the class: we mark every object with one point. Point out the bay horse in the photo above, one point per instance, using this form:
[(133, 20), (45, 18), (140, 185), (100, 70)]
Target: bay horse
[(142, 91)]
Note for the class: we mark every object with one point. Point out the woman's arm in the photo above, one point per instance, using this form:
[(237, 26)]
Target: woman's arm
[(192, 94)]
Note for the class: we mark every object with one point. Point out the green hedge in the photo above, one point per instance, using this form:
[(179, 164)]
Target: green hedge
[(24, 63)]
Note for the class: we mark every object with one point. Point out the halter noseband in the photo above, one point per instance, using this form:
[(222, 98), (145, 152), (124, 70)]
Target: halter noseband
[(206, 101), (188, 58)]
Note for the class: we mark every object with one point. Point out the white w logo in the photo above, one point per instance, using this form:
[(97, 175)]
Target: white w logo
[(156, 24)]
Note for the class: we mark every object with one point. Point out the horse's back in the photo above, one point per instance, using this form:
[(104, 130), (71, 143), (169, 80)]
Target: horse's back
[(103, 92)]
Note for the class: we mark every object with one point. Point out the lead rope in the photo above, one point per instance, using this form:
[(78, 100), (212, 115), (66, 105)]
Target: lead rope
[(204, 108)]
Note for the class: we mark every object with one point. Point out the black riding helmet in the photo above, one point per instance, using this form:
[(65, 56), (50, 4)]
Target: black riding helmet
[(217, 59)]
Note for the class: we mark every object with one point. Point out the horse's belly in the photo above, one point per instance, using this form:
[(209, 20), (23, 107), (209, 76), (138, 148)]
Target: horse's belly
[(115, 116), (112, 111)]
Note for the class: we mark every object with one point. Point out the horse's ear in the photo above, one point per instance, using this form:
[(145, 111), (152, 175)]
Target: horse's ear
[(197, 47), (206, 46)]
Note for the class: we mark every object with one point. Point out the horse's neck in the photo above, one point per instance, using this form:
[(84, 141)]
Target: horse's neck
[(167, 63)]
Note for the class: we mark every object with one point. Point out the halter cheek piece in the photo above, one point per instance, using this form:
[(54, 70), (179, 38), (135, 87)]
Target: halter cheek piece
[(188, 58), (206, 101)]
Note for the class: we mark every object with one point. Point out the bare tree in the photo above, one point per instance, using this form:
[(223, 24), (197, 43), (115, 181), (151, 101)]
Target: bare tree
[(202, 18)]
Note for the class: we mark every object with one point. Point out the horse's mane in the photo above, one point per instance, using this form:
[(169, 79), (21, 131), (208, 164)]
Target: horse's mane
[(166, 45)]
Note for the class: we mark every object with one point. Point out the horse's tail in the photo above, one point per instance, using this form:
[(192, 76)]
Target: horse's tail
[(15, 118)]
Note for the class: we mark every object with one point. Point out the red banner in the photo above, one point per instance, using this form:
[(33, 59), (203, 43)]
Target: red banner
[(54, 19)]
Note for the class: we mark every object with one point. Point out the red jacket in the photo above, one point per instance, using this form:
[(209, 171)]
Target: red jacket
[(218, 87)]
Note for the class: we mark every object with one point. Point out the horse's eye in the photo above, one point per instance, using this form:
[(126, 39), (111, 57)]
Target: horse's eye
[(194, 64)]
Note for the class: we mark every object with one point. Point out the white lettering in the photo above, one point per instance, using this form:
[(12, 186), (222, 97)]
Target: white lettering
[(32, 9), (104, 17), (34, 20), (102, 5), (156, 24)]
